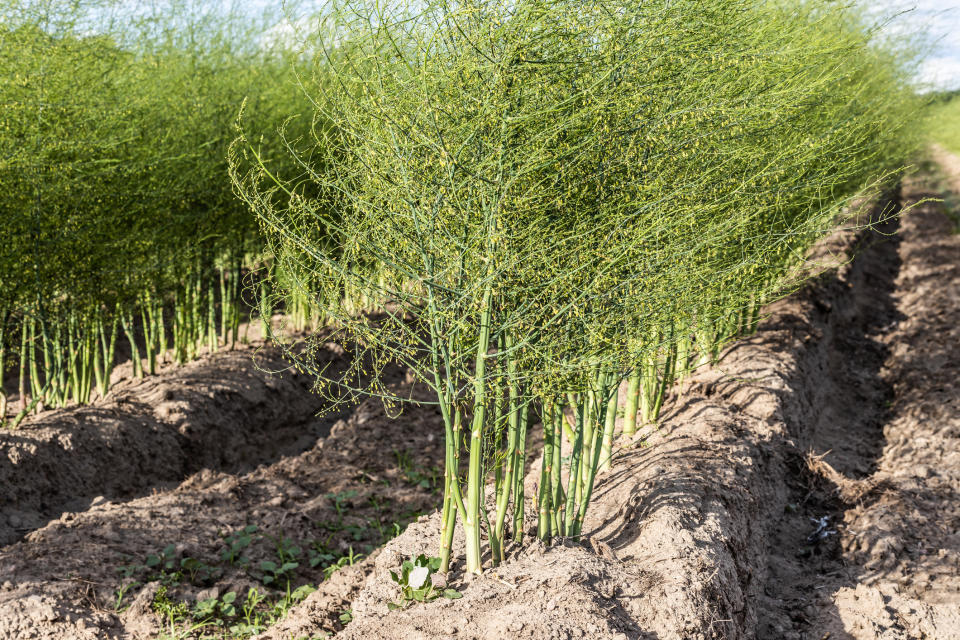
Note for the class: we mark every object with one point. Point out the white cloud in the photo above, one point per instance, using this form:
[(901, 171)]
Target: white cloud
[(935, 24), (941, 73)]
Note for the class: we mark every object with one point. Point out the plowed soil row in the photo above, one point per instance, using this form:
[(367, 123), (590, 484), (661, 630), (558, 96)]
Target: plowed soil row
[(222, 412), (187, 458)]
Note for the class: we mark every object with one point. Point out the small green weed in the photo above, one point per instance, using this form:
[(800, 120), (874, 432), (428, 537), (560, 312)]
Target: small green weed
[(274, 572), (344, 561), (164, 560), (120, 593), (341, 501), (169, 611), (236, 542), (222, 607), (198, 572), (415, 474), (416, 583)]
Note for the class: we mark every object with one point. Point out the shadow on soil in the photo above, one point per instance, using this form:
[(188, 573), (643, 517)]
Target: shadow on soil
[(838, 448), (223, 413)]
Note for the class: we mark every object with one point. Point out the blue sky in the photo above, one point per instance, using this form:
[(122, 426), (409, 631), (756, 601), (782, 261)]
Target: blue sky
[(939, 22)]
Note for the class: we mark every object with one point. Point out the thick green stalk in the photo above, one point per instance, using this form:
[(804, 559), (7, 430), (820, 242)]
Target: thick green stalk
[(648, 388), (212, 341), (23, 365), (59, 374), (73, 359), (159, 330), (451, 483), (573, 400), (447, 530), (197, 319), (225, 310), (127, 323), (573, 486), (755, 304), (590, 425), (177, 329), (497, 445), (4, 317), (264, 310), (505, 486), (666, 381), (475, 475), (445, 517), (235, 304), (86, 365), (519, 466), (106, 352), (557, 498), (683, 358), (610, 420), (544, 507), (98, 355), (630, 404), (37, 391), (590, 478), (705, 342), (149, 339), (453, 500)]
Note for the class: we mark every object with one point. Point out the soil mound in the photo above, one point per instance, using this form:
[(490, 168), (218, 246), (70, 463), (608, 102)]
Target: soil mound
[(327, 506), (223, 412)]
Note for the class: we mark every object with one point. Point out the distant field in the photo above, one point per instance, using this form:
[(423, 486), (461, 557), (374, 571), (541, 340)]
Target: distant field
[(945, 125)]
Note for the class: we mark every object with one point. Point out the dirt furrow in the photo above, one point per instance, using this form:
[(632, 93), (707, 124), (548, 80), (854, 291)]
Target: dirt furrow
[(335, 503), (888, 566), (225, 412)]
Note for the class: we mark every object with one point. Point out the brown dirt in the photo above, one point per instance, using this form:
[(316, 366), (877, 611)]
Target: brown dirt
[(843, 405), (223, 412), (224, 416), (892, 569)]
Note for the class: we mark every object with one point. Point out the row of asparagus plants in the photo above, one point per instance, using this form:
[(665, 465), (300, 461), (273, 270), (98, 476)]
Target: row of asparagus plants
[(122, 236), (63, 357), (541, 202)]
